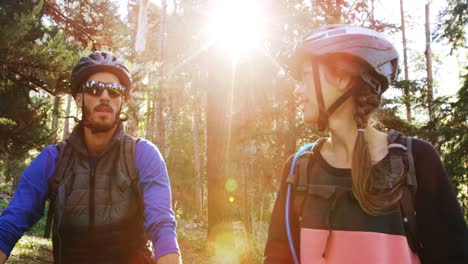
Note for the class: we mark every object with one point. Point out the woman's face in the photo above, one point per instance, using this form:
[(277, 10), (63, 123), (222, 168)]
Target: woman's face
[(332, 87), (306, 94)]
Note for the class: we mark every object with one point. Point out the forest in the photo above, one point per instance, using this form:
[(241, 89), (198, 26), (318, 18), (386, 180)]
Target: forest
[(209, 90)]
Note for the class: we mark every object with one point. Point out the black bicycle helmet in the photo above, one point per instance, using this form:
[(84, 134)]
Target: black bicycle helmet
[(99, 61)]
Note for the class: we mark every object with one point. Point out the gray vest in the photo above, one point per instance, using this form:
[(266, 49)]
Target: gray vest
[(99, 214)]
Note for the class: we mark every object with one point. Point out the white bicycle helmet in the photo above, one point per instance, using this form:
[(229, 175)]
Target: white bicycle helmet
[(368, 55), (365, 45)]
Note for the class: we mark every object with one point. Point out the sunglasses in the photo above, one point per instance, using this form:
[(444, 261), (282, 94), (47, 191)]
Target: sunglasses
[(96, 88)]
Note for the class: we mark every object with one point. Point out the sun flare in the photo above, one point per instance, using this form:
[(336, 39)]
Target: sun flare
[(236, 25)]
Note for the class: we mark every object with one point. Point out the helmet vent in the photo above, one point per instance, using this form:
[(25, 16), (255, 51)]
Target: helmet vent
[(315, 37), (99, 61), (337, 32)]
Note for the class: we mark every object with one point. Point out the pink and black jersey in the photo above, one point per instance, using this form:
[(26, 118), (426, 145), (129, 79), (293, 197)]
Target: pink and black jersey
[(330, 226)]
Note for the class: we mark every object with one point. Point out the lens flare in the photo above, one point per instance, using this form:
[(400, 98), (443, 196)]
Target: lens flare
[(227, 243), (231, 185)]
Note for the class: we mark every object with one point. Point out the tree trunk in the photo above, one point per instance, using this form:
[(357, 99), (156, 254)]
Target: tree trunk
[(133, 114), (55, 117), (428, 53), (204, 188), (245, 168), (66, 125), (217, 138), (163, 98), (142, 26), (405, 61), (196, 152), (150, 110)]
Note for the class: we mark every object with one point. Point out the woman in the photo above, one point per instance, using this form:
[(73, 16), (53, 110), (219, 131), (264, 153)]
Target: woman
[(357, 201)]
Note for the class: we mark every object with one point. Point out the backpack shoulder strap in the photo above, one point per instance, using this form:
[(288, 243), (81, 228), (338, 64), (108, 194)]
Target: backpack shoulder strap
[(301, 183), (128, 149), (407, 201), (412, 172), (398, 140), (61, 167)]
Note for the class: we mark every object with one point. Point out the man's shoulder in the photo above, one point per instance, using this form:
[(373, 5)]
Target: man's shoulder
[(50, 151), (139, 140), (144, 144), (45, 162), (141, 144), (145, 148)]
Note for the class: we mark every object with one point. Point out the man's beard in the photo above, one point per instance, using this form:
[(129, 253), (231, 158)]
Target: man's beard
[(99, 127)]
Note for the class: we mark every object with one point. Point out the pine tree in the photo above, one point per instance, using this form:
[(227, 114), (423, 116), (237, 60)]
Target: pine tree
[(35, 61), (453, 24)]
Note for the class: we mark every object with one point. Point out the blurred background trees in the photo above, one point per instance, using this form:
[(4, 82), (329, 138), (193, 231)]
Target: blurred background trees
[(223, 116)]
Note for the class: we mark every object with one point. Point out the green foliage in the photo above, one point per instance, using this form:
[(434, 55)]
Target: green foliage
[(387, 118), (31, 249), (39, 46), (89, 24), (3, 204), (29, 130), (35, 55), (6, 122), (4, 188), (33, 62), (39, 227), (448, 131), (453, 21)]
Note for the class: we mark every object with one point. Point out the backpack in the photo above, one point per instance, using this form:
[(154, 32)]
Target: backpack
[(407, 202), (127, 149)]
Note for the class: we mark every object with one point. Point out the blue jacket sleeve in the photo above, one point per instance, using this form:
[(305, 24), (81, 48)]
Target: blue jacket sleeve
[(155, 190), (27, 205)]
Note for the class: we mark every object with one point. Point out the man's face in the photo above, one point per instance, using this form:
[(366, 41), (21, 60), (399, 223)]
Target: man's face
[(101, 109)]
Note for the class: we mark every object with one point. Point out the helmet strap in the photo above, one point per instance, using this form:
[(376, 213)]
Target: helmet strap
[(349, 92), (325, 114)]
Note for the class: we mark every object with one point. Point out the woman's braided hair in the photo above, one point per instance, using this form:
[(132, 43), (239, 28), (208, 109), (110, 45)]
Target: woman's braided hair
[(373, 196)]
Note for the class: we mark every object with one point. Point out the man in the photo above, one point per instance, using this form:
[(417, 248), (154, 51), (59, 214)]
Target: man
[(101, 216)]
